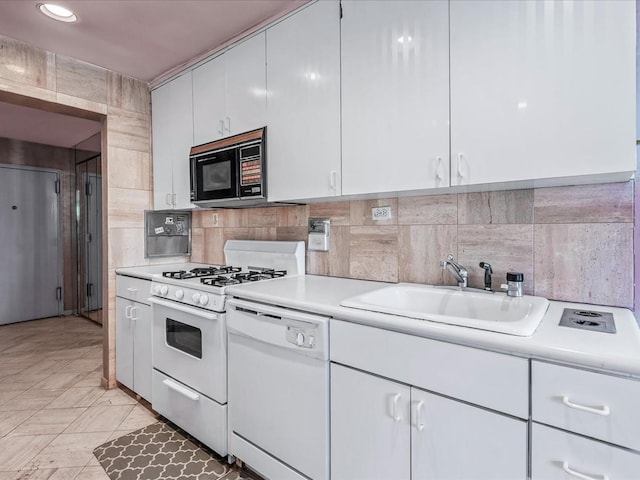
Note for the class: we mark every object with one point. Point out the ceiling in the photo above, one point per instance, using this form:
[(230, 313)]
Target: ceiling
[(143, 39)]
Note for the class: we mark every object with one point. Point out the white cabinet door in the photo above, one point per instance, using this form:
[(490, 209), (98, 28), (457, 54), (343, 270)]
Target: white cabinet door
[(172, 124), (370, 437), (124, 342), (161, 101), (541, 89), (182, 132), (454, 440), (395, 95), (142, 367), (303, 108), (208, 101), (558, 455), (246, 89)]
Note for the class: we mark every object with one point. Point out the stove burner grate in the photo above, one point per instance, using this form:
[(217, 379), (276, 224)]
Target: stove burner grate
[(243, 277), (201, 272)]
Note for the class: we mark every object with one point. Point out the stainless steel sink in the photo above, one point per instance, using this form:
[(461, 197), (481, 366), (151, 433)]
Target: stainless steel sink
[(495, 312)]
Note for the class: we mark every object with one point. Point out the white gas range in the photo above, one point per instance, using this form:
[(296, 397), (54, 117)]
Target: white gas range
[(190, 335)]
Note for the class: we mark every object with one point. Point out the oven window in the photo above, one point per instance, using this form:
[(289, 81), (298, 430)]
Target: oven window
[(184, 337), (216, 176)]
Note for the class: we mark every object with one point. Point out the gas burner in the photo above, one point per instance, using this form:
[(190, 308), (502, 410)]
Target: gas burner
[(201, 272), (220, 281), (255, 274)]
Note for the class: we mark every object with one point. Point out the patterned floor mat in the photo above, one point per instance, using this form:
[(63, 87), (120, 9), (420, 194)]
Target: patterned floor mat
[(159, 452)]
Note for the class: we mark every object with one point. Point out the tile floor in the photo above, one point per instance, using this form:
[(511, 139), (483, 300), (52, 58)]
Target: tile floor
[(53, 411)]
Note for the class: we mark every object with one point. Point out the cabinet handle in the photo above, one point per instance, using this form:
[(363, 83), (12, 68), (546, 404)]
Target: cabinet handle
[(394, 407), (221, 127), (460, 159), (574, 473), (132, 290), (333, 179), (185, 392), (439, 169), (167, 199), (173, 199), (228, 127), (134, 313), (127, 311), (419, 422), (600, 410)]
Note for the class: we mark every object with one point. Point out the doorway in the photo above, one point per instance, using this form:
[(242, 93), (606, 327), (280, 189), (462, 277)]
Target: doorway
[(31, 253), (89, 237)]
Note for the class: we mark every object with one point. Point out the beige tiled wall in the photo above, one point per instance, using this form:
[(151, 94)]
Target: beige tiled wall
[(571, 243)]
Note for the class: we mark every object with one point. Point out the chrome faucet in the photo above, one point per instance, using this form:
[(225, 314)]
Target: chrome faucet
[(457, 270)]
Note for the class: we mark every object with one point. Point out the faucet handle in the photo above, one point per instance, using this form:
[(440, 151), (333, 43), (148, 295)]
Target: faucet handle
[(450, 257)]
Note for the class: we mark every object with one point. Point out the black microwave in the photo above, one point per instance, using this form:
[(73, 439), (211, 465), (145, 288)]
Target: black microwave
[(229, 172)]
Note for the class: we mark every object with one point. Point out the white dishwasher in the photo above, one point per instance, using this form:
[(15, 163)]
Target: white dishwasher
[(278, 387)]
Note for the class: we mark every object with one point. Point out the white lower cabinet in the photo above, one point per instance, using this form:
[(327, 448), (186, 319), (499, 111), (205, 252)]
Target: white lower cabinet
[(382, 429), (133, 336), (559, 455)]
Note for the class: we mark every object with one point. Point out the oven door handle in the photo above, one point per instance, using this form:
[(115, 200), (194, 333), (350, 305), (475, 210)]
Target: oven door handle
[(183, 308), (185, 392)]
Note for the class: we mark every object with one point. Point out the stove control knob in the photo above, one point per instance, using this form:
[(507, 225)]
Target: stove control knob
[(300, 339), (156, 289), (179, 294), (204, 299), (195, 297), (164, 290)]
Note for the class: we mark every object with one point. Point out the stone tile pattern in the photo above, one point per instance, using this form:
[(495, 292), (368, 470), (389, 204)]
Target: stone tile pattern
[(124, 104), (572, 243), (53, 409), (160, 451)]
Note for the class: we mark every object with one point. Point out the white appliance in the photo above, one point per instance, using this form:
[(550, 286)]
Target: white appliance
[(190, 338), (278, 390)]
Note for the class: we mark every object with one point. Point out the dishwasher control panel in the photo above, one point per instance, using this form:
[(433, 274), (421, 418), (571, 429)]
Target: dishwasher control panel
[(302, 337)]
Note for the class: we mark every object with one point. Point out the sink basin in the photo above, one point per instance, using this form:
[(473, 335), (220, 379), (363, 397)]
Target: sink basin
[(495, 312)]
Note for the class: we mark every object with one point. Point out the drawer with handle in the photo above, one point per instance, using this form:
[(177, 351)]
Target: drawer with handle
[(593, 404), (558, 455), (135, 289)]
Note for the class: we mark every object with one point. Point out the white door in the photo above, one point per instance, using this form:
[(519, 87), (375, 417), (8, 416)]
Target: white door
[(304, 104), (172, 124), (395, 95), (124, 342), (246, 86), (208, 101), (451, 440), (142, 366), (30, 252), (161, 104), (541, 89), (370, 427)]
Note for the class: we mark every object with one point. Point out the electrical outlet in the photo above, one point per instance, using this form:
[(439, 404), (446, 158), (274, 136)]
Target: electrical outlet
[(381, 213), (214, 219)]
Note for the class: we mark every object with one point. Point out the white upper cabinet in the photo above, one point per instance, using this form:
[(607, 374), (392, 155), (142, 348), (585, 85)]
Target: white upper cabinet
[(208, 104), (395, 96), (542, 89), (229, 92), (303, 105), (172, 126)]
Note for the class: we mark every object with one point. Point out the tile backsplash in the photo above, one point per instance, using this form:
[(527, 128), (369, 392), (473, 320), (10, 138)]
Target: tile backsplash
[(572, 243)]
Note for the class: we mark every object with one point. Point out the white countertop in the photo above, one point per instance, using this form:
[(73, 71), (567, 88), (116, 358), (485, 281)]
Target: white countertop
[(148, 272), (618, 353)]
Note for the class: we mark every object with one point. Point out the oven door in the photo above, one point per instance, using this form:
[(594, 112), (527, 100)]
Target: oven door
[(190, 345), (214, 175)]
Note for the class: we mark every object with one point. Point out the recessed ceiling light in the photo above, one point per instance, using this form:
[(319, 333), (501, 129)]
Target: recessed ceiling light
[(57, 12)]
